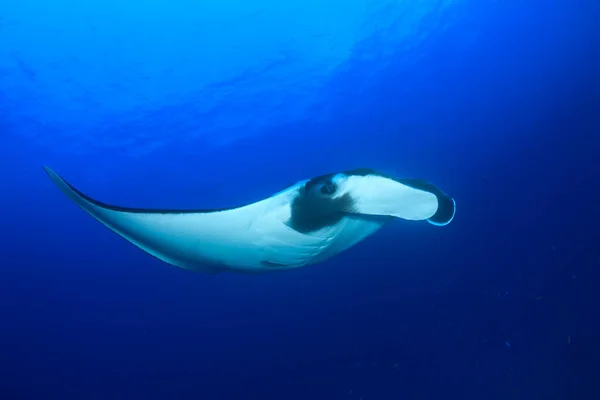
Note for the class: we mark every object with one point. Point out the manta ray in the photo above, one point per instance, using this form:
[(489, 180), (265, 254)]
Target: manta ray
[(304, 224)]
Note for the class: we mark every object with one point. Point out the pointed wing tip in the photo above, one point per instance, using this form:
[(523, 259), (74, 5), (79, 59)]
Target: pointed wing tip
[(57, 179), (49, 171)]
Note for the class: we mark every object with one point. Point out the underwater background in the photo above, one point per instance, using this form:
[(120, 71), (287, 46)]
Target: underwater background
[(216, 103)]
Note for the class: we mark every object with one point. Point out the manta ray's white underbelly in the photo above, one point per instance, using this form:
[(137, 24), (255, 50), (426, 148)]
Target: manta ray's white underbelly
[(213, 242), (252, 238), (291, 249), (232, 241)]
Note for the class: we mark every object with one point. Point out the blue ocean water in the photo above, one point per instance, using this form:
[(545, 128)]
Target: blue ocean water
[(219, 103)]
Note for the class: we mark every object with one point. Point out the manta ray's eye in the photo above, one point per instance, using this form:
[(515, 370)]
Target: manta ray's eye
[(328, 188)]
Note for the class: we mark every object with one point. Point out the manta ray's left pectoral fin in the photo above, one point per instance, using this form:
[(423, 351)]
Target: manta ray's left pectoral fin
[(170, 236)]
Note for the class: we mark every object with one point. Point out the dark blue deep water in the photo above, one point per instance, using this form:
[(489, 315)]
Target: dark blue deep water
[(217, 103)]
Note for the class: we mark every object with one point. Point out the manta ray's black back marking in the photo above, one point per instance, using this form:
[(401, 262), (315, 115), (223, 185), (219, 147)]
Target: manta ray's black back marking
[(130, 209), (309, 212)]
